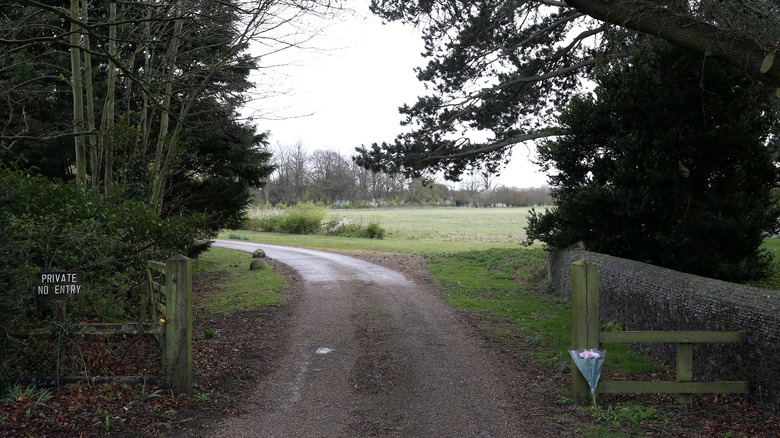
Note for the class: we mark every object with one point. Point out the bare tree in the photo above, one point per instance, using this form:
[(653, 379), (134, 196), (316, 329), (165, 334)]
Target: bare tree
[(363, 183), (290, 182), (330, 177)]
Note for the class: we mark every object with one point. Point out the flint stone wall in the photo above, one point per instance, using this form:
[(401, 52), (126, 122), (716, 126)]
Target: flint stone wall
[(646, 297)]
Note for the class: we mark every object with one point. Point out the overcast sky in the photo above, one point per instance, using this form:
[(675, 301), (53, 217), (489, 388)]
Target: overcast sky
[(348, 94)]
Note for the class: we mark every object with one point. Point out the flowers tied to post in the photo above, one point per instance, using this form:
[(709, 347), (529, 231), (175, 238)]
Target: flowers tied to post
[(589, 362)]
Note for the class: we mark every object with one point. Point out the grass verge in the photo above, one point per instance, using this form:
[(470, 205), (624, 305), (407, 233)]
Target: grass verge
[(510, 284), (242, 288), (507, 288)]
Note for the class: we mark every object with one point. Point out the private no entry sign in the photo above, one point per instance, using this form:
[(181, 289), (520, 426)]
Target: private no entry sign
[(60, 284)]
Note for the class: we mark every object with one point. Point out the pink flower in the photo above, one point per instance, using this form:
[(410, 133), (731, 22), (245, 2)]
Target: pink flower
[(590, 354)]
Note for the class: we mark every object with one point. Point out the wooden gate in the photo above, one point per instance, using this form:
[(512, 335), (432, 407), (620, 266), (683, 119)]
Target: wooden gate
[(170, 284), (586, 334), (170, 304)]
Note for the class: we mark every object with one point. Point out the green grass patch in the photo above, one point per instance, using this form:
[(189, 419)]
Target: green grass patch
[(475, 256), (387, 244), (510, 284), (445, 224), (481, 267), (429, 224), (773, 246), (504, 282), (241, 288), (626, 415)]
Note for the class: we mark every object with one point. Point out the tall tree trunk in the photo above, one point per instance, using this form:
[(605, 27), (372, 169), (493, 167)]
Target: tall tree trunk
[(144, 117), (160, 157), (107, 122), (90, 138), (78, 97)]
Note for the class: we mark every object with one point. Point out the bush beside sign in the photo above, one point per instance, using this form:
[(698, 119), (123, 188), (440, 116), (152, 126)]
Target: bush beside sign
[(60, 284)]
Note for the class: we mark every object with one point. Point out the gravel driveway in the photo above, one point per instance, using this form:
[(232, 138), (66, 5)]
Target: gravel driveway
[(373, 352)]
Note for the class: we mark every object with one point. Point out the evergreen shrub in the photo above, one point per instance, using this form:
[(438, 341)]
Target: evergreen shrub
[(50, 225)]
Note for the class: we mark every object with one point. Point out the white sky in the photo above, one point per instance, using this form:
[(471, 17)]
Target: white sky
[(348, 93)]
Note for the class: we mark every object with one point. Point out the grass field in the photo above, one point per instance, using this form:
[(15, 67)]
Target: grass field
[(477, 257), (488, 225), (441, 224)]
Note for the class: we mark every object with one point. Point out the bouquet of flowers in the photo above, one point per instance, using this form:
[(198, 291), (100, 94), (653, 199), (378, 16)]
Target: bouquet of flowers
[(589, 362)]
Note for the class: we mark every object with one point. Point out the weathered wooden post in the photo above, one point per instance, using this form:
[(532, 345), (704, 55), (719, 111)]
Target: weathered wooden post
[(684, 369), (178, 327), (585, 319)]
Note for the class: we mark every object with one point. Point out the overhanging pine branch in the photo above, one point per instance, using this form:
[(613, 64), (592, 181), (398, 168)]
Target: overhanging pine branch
[(493, 147), (549, 75)]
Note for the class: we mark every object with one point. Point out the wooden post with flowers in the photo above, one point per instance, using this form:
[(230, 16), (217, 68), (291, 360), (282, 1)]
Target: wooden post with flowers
[(177, 358), (585, 318)]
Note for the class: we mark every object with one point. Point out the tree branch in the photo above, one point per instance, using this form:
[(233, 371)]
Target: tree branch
[(544, 133), (548, 75), (735, 48)]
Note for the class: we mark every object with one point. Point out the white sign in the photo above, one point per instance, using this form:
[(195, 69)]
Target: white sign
[(60, 284)]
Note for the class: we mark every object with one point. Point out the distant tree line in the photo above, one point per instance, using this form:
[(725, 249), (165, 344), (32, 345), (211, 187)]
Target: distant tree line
[(326, 176)]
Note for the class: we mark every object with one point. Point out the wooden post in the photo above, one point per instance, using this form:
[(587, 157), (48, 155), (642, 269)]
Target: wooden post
[(59, 309), (684, 369), (178, 327), (585, 319), (144, 303)]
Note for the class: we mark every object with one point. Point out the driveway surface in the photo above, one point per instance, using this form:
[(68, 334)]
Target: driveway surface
[(373, 352)]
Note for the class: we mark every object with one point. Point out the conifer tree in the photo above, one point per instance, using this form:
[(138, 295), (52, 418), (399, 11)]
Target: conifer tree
[(670, 161)]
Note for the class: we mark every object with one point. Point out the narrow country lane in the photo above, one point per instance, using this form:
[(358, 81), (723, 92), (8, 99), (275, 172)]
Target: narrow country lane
[(372, 353)]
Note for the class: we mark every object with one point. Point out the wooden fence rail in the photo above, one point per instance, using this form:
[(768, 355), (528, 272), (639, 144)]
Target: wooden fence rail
[(129, 328), (586, 334)]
